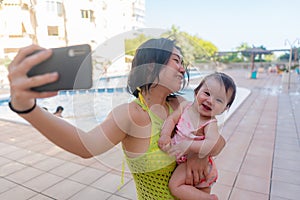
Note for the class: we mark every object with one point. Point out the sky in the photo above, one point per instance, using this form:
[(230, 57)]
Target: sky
[(275, 24)]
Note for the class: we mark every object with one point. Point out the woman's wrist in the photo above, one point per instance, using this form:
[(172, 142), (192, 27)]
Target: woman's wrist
[(24, 111)]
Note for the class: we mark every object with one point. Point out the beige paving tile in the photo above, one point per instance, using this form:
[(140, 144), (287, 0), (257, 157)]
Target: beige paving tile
[(66, 169), (115, 197), (40, 147), (236, 149), (288, 176), (101, 166), (90, 193), (285, 190), (64, 189), (40, 197), (226, 164), (112, 159), (222, 191), (259, 166), (24, 175), (253, 183), (263, 135), (272, 197), (261, 147), (226, 177), (292, 133), (19, 154), (32, 158), (6, 185), (51, 151), (6, 149), (238, 194), (17, 193), (286, 164), (109, 182), (49, 163), (128, 190), (287, 154), (288, 147), (286, 140), (245, 129), (10, 168), (87, 175), (64, 155), (4, 161), (42, 182), (24, 142)]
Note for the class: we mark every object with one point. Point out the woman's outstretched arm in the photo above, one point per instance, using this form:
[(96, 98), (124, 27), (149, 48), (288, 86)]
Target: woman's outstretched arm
[(57, 130)]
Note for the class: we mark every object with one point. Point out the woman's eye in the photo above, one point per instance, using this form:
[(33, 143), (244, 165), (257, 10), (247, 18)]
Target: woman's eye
[(207, 93), (176, 60)]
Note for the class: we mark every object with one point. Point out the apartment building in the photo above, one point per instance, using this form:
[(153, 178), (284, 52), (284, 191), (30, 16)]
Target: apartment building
[(55, 23)]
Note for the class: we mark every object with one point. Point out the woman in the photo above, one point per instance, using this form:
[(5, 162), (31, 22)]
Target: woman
[(157, 72)]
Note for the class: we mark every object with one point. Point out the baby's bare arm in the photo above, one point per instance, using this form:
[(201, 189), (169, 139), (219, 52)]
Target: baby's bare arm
[(206, 146)]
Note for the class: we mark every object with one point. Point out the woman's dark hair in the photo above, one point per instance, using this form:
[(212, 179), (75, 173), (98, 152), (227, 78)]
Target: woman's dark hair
[(148, 61), (224, 79)]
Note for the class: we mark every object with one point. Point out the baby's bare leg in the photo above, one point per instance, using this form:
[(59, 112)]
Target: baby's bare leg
[(179, 189)]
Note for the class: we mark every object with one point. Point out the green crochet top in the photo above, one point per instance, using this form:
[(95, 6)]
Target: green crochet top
[(152, 170)]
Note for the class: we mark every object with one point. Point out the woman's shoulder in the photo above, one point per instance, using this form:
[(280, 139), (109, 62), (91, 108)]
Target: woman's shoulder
[(127, 108), (131, 112)]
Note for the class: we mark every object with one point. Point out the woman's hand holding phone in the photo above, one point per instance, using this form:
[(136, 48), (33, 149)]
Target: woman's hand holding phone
[(22, 97)]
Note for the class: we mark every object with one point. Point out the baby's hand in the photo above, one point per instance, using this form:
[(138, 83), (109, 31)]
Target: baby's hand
[(164, 143)]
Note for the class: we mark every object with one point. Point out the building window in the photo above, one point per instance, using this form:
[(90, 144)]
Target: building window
[(55, 7), (59, 9), (52, 30), (87, 14)]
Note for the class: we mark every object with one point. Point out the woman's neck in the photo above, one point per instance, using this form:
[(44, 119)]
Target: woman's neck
[(156, 102), (155, 97)]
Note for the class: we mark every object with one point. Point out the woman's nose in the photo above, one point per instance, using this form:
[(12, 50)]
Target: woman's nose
[(181, 68)]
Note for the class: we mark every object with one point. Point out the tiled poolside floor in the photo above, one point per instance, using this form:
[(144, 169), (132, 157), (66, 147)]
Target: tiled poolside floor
[(260, 161)]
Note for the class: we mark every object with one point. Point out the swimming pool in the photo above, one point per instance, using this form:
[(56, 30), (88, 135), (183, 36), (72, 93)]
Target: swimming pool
[(86, 108)]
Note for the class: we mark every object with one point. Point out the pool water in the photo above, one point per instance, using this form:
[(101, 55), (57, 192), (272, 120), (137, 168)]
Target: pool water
[(87, 108)]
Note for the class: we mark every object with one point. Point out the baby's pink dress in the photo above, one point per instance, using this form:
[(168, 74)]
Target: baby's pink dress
[(185, 131)]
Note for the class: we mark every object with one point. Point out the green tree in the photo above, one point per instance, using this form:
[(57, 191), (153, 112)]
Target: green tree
[(194, 48), (244, 46), (182, 40), (132, 44), (204, 50)]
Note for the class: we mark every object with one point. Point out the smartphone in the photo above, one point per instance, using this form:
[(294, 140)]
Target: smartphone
[(73, 64)]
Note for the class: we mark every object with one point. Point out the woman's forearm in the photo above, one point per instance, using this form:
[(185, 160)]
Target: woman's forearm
[(57, 131)]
